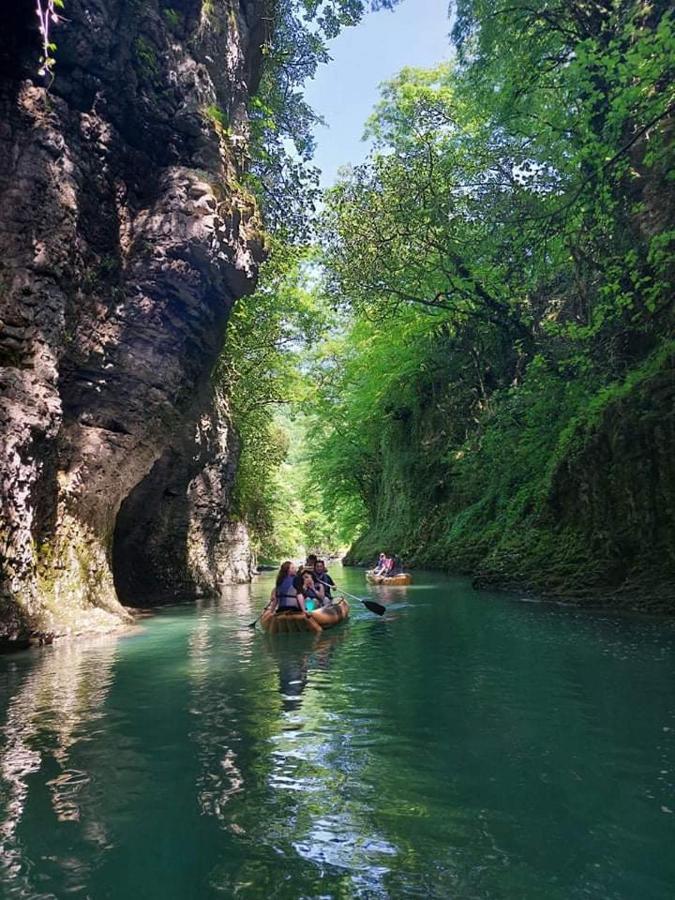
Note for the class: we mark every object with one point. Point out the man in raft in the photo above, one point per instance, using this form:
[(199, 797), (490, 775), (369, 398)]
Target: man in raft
[(310, 563), (321, 576)]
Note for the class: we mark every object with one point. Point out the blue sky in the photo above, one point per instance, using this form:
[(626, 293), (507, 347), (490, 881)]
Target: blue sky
[(346, 89)]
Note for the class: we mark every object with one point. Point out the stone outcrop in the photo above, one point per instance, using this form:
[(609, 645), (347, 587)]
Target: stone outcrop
[(125, 238)]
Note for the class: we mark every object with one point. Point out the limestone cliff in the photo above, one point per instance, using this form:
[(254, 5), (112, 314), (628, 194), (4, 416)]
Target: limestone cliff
[(125, 238)]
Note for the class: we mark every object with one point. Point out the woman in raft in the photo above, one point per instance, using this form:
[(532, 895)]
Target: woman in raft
[(287, 595), (380, 564), (313, 591), (293, 594)]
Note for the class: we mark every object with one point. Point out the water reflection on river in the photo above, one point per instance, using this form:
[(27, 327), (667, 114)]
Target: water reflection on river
[(462, 746), (54, 707)]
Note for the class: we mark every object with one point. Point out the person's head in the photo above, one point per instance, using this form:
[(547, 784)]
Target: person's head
[(311, 561), (320, 567), (383, 556), (287, 568), (307, 579)]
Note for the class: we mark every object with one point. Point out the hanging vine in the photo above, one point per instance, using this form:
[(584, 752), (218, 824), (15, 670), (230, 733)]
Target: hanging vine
[(47, 15)]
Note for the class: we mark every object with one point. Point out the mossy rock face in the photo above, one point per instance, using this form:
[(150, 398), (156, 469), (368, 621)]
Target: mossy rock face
[(585, 513), (74, 584)]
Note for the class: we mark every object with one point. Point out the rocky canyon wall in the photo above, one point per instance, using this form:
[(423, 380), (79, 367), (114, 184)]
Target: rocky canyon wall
[(125, 238)]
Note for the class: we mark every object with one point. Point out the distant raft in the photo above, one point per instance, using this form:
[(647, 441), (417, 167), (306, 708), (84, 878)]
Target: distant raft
[(297, 622), (403, 578)]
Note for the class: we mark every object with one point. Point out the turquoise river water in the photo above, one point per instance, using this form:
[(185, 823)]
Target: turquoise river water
[(466, 745)]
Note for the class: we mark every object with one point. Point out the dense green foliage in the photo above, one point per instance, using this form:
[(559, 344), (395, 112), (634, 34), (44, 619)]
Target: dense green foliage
[(504, 256), (272, 334), (262, 377), (493, 390), (282, 122)]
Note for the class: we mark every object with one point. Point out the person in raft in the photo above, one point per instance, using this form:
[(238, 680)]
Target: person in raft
[(387, 566), (395, 566), (287, 596), (307, 566), (379, 565), (321, 576), (310, 564), (312, 591)]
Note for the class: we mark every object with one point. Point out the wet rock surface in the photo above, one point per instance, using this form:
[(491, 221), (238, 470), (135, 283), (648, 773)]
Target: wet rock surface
[(173, 537), (125, 238)]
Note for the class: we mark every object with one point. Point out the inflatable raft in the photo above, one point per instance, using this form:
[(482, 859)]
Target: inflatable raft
[(403, 578), (296, 622)]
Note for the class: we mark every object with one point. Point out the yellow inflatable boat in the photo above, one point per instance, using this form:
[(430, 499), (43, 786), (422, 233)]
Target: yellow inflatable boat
[(403, 578), (296, 622)]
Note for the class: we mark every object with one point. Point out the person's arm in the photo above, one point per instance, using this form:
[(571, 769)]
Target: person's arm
[(301, 603), (320, 591), (272, 605)]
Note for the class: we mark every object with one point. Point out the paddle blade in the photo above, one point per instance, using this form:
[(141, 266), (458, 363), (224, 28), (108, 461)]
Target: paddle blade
[(255, 621), (374, 607)]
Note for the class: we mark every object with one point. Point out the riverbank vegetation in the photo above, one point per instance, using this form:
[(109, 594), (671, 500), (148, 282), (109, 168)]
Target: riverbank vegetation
[(496, 390), (263, 376)]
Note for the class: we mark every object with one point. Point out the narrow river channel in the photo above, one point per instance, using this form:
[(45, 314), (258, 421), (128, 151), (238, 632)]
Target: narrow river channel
[(466, 745)]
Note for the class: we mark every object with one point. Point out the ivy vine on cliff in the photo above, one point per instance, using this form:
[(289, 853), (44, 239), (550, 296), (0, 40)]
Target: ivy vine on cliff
[(47, 16)]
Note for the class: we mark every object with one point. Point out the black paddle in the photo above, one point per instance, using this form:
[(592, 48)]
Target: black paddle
[(374, 607), (255, 621)]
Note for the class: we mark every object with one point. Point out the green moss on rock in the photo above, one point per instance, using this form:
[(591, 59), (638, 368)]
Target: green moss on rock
[(581, 508)]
